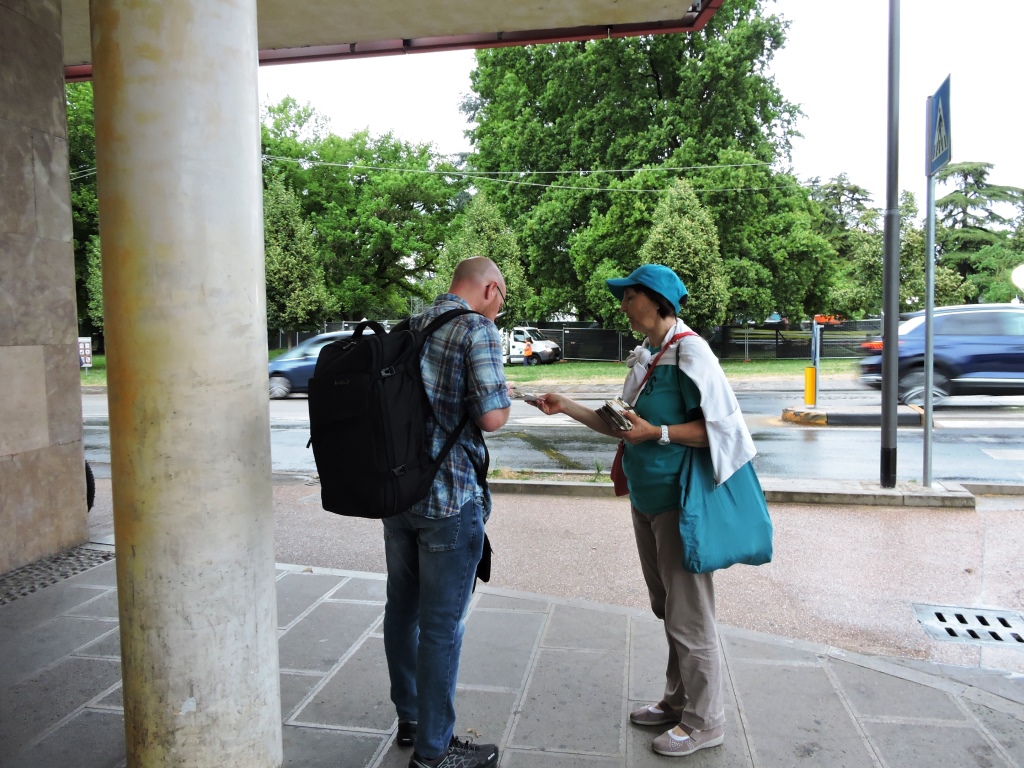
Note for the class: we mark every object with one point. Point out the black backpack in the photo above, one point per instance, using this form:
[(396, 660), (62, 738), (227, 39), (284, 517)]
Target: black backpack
[(367, 421)]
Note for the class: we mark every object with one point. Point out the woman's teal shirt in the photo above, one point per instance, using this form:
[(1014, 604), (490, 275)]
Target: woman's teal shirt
[(669, 397)]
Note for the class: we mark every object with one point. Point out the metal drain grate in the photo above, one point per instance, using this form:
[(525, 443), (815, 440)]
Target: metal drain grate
[(954, 624)]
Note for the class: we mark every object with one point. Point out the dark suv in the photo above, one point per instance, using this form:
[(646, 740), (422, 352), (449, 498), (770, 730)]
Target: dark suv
[(979, 350)]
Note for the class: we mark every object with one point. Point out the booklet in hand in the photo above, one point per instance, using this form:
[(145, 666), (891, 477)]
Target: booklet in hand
[(613, 414)]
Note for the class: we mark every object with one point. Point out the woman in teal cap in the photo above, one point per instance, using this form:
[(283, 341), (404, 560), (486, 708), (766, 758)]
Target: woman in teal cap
[(681, 400)]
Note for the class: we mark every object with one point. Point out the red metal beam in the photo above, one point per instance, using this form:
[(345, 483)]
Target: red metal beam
[(690, 22)]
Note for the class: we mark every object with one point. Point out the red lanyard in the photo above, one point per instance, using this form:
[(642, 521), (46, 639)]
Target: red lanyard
[(664, 349)]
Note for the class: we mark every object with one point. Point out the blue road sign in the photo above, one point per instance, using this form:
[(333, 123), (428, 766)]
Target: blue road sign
[(938, 145)]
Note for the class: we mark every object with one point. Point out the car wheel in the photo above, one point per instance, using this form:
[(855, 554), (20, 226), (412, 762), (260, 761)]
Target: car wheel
[(279, 387), (912, 388), (534, 360), (90, 487)]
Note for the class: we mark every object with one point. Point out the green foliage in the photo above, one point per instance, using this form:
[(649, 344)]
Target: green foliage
[(380, 208), (94, 283), (968, 217), (647, 110), (481, 231), (685, 240), (297, 296), (84, 206)]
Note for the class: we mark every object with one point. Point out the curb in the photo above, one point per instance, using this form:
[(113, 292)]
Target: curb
[(852, 416), (946, 495)]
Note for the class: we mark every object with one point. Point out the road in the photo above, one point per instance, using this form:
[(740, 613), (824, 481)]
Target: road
[(975, 439)]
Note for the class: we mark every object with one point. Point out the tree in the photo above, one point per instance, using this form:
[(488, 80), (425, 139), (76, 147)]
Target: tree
[(84, 206), (584, 135), (967, 216), (380, 208), (481, 231), (685, 240), (297, 296)]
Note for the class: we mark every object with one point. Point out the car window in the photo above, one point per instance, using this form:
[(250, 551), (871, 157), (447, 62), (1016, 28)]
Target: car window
[(1014, 324), (971, 324), (536, 335), (519, 336), (907, 326)]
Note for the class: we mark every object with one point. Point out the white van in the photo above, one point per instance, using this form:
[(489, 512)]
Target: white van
[(513, 341)]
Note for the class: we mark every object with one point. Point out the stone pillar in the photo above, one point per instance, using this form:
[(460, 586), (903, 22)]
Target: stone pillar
[(42, 475), (180, 195)]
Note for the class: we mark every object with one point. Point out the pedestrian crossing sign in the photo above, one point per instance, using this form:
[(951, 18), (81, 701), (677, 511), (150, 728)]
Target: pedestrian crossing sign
[(937, 145)]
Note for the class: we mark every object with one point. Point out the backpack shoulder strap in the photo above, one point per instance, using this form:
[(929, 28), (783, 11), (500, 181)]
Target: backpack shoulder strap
[(444, 317)]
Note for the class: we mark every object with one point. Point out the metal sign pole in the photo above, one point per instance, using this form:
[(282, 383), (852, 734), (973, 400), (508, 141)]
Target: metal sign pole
[(937, 152), (929, 330), (891, 258)]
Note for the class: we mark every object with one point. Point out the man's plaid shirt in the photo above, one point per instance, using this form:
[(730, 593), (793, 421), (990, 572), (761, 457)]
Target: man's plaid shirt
[(462, 370)]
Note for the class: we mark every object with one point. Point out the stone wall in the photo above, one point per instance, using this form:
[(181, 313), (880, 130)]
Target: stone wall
[(42, 482)]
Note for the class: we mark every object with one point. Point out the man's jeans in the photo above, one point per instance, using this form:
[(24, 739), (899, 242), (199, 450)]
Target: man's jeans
[(431, 567)]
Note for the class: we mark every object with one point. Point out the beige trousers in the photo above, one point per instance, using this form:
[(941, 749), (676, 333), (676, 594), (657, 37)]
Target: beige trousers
[(685, 602)]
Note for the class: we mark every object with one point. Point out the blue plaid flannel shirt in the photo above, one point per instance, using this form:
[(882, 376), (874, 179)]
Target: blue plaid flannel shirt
[(462, 371)]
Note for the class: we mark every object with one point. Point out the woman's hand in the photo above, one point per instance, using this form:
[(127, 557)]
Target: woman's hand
[(549, 404), (641, 432)]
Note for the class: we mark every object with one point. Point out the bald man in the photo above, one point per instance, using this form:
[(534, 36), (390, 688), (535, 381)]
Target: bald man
[(433, 549)]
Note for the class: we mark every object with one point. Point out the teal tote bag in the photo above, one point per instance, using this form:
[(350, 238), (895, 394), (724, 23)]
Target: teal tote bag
[(724, 525)]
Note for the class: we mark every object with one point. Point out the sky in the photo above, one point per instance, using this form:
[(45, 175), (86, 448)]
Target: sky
[(834, 65)]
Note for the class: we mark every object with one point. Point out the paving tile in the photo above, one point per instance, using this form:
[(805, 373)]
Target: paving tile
[(586, 628), (29, 708), (876, 694), (483, 715), (294, 689), (1006, 729), (520, 758), (108, 646), (573, 702), (319, 748), (297, 591), (103, 607), (498, 646), (813, 728), (100, 576), (363, 589), (318, 641), (30, 652), (648, 657), (919, 746), (92, 739), (739, 647), (114, 699), (358, 694), (732, 754), (27, 612), (505, 603)]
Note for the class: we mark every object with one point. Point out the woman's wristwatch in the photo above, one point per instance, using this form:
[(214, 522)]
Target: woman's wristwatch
[(664, 435)]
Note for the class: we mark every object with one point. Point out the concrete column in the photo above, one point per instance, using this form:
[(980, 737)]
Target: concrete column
[(177, 147), (42, 473)]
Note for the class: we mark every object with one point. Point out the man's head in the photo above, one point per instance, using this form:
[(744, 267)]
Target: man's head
[(479, 281)]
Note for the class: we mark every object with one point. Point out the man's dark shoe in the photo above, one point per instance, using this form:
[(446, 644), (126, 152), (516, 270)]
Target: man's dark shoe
[(460, 754), (406, 733)]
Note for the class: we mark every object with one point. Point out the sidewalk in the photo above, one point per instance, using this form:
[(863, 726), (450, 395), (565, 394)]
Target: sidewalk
[(551, 678)]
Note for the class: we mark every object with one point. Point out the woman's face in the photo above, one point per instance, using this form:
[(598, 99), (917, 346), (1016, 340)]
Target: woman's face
[(640, 310)]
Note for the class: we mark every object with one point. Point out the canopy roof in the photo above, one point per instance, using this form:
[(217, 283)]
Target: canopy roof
[(310, 30)]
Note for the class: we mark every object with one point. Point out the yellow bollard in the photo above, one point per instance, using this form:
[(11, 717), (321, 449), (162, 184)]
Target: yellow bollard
[(810, 386)]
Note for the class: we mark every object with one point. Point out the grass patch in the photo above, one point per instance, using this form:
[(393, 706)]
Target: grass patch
[(597, 476), (97, 375), (788, 368), (598, 373)]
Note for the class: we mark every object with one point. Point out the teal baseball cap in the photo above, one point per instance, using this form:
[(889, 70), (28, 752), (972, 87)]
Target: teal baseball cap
[(658, 278)]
